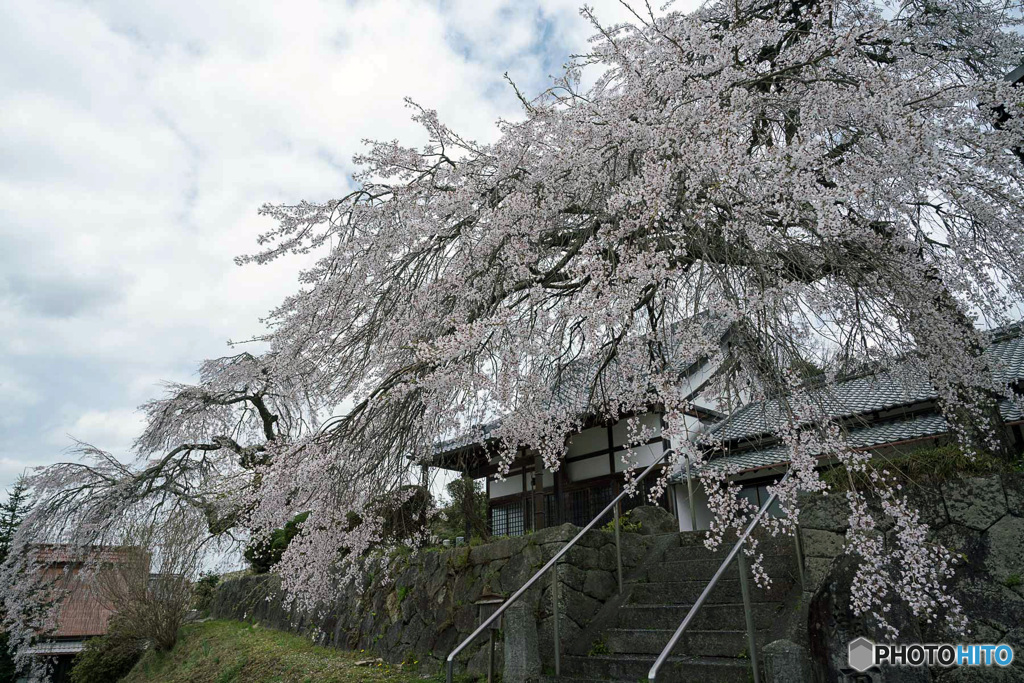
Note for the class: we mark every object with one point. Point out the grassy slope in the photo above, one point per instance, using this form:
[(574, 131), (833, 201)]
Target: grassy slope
[(234, 652)]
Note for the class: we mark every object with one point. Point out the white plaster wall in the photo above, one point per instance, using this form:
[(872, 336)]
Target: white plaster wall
[(642, 456), (693, 427), (700, 505), (620, 432), (589, 468), (512, 484), (588, 441)]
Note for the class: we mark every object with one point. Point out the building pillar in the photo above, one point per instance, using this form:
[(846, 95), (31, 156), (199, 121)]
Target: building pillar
[(468, 501), (425, 483), (561, 479), (539, 509)]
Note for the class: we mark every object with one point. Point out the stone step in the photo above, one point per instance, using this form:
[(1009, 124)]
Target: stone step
[(709, 616), (761, 534), (777, 547), (682, 592), (777, 566), (634, 668), (695, 643)]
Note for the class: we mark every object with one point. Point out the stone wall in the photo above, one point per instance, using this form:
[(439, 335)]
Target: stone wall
[(426, 607), (981, 519)]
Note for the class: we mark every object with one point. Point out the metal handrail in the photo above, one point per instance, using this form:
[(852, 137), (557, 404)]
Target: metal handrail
[(653, 673), (450, 662)]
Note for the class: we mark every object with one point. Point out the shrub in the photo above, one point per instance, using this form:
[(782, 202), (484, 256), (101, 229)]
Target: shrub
[(108, 658), (465, 514), (404, 512), (598, 648), (152, 605), (928, 465), (626, 524), (265, 554), (8, 671), (203, 591)]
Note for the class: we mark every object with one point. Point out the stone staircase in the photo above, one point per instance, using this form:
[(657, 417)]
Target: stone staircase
[(628, 634)]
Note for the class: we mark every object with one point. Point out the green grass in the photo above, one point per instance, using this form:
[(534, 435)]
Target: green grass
[(235, 652)]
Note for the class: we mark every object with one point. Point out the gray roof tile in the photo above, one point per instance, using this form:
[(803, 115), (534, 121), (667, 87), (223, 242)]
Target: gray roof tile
[(932, 424), (866, 394)]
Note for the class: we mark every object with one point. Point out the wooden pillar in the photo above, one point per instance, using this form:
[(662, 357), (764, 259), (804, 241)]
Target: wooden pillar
[(468, 501), (539, 509), (425, 483), (561, 479)]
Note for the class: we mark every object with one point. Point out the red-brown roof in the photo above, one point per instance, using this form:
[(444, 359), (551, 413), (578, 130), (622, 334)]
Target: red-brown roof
[(83, 612)]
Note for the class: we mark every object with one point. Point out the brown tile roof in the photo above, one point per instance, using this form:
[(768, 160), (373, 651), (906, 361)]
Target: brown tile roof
[(83, 612)]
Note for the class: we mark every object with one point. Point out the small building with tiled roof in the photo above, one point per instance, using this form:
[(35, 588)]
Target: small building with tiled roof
[(530, 496), (84, 614), (880, 412)]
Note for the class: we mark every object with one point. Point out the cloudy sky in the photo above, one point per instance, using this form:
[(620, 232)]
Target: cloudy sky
[(138, 139)]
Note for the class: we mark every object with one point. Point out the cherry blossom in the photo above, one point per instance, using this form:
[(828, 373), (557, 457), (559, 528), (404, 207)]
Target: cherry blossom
[(824, 178)]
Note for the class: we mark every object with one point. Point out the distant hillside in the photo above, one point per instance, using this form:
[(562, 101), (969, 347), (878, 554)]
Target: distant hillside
[(235, 652)]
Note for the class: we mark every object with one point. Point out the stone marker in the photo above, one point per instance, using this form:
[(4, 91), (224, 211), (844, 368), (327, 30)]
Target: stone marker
[(522, 658), (785, 662)]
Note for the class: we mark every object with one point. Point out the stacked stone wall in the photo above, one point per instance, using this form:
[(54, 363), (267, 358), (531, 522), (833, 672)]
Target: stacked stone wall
[(981, 519), (424, 604)]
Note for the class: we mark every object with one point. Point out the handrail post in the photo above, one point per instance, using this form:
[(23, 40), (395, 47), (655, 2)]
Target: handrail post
[(618, 547), (799, 555), (551, 564), (748, 614), (689, 494), (554, 615), (652, 674), (490, 656)]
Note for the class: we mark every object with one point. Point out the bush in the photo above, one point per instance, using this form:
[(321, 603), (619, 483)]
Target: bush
[(626, 524), (107, 658), (151, 606), (266, 553), (403, 512), (8, 672), (928, 465), (204, 590), (467, 510)]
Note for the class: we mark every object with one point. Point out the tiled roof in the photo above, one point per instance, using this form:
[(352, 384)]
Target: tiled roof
[(1017, 75), (868, 394), (574, 385), (576, 378), (64, 554), (893, 431), (83, 613)]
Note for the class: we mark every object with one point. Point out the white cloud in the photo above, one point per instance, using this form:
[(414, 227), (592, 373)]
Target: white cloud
[(112, 430), (138, 139), (17, 395)]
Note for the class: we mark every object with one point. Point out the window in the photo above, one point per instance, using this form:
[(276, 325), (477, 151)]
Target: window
[(758, 494), (510, 519)]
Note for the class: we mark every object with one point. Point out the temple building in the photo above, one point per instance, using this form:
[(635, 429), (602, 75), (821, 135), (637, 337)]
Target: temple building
[(881, 412)]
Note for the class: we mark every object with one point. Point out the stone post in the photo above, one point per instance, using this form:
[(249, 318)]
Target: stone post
[(786, 662), (522, 656)]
